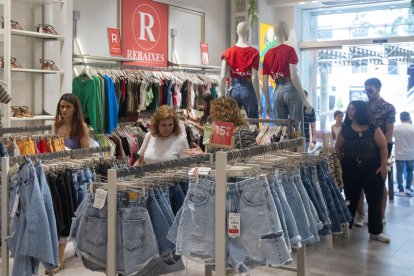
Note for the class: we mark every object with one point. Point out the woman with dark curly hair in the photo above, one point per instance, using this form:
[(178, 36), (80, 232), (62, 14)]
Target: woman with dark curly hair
[(362, 149), (225, 109)]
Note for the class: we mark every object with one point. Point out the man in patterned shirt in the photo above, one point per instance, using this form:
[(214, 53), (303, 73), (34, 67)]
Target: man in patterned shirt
[(382, 116)]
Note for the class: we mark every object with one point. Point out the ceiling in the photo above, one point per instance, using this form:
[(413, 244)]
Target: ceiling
[(314, 4)]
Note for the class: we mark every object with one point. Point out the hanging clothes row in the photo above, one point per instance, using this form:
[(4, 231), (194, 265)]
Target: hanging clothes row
[(29, 145), (135, 92), (33, 221)]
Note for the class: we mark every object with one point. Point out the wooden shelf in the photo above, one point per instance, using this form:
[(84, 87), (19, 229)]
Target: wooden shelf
[(25, 70), (34, 118), (35, 34)]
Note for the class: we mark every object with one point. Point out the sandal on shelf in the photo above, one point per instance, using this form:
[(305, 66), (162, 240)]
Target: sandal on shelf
[(48, 64), (14, 24), (24, 111), (46, 29), (16, 112), (14, 63)]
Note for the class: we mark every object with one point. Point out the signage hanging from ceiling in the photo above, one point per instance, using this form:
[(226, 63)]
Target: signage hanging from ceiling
[(145, 32)]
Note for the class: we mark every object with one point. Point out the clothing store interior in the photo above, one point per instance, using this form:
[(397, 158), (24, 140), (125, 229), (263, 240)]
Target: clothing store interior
[(191, 137)]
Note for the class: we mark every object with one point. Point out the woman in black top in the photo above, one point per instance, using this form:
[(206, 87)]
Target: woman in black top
[(363, 152)]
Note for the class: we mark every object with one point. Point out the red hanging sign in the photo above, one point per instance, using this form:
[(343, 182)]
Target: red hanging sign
[(145, 32), (114, 39), (222, 135)]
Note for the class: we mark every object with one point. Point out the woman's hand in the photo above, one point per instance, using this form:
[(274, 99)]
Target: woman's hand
[(383, 171), (140, 161), (194, 151)]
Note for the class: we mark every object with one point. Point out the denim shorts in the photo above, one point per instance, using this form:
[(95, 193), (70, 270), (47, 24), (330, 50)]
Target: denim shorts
[(136, 243), (261, 239), (297, 207)]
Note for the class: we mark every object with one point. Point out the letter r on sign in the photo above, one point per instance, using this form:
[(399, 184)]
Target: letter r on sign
[(146, 28), (114, 38)]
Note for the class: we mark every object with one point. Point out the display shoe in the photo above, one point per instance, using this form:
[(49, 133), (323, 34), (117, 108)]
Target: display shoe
[(46, 29), (24, 111), (14, 64), (380, 237), (48, 64), (14, 24), (16, 112)]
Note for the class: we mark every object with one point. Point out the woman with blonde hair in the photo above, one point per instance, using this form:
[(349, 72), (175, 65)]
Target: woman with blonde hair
[(225, 109), (164, 141)]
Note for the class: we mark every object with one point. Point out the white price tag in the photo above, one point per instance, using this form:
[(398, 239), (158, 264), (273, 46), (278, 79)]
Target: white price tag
[(201, 171), (234, 225), (15, 210), (100, 198)]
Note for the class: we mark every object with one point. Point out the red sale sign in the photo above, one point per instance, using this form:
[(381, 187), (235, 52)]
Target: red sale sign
[(204, 54), (145, 32), (114, 39), (222, 135)]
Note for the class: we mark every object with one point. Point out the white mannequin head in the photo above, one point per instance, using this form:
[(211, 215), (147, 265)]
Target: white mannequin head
[(243, 32), (282, 31)]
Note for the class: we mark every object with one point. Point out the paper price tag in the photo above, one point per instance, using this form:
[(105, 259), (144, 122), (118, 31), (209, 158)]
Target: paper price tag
[(100, 198), (223, 135), (201, 171), (15, 210), (234, 225)]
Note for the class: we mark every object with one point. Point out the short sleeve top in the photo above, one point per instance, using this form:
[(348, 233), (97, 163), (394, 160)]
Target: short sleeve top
[(241, 60), (276, 61), (359, 145), (382, 113)]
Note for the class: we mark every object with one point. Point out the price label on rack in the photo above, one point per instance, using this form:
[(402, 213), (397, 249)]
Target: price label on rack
[(222, 135)]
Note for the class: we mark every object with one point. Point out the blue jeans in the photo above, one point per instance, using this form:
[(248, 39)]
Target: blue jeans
[(136, 243), (261, 237), (295, 238), (164, 205), (288, 104), (409, 166), (177, 196), (297, 207), (160, 224), (243, 92)]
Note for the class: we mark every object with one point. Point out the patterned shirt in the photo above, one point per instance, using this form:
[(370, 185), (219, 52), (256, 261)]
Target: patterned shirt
[(382, 113)]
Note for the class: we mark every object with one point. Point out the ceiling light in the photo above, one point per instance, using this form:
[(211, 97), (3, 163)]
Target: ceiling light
[(302, 3)]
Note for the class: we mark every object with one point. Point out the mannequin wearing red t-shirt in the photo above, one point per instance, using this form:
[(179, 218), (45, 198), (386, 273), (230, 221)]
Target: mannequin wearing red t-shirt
[(280, 62), (242, 62)]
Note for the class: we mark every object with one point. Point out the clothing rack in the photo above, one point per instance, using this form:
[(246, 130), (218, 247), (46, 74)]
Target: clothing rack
[(11, 130), (113, 175), (289, 122), (5, 168), (222, 159)]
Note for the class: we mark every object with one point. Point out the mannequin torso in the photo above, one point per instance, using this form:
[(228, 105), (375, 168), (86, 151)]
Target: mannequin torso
[(242, 62)]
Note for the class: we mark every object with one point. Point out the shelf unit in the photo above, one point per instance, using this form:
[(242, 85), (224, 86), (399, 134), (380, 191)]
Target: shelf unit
[(37, 83)]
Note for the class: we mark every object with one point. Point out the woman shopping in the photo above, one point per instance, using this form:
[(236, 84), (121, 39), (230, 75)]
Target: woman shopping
[(362, 149), (164, 141), (225, 109), (70, 124)]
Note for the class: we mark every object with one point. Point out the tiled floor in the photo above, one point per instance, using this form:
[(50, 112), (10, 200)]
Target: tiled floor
[(355, 256)]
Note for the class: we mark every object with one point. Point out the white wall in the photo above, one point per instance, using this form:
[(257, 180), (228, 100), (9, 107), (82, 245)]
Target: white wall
[(97, 15)]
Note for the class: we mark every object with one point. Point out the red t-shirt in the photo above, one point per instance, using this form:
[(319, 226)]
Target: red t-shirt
[(276, 61), (241, 60)]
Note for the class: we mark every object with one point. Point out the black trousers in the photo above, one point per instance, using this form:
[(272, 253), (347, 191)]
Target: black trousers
[(358, 176)]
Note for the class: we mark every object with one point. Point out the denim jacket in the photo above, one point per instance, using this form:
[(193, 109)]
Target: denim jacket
[(30, 239)]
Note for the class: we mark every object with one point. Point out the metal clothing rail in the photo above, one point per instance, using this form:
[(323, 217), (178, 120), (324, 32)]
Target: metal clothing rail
[(113, 175), (5, 168), (222, 158), (11, 130), (60, 154)]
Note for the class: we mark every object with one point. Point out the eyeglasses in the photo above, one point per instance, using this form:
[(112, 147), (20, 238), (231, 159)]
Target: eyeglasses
[(369, 90)]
